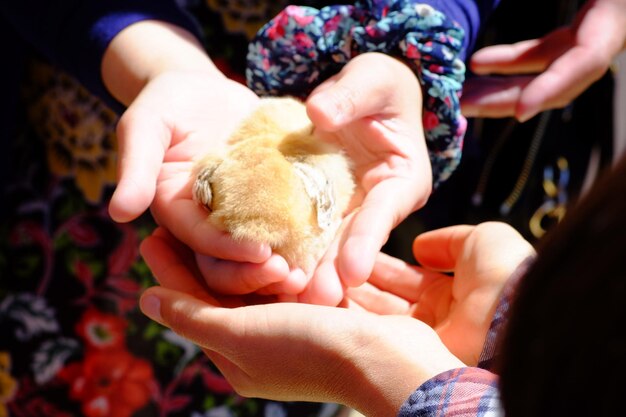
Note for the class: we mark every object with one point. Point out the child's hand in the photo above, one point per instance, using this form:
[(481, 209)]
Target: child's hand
[(179, 106), (337, 352), (459, 308), (176, 118), (550, 72), (373, 108)]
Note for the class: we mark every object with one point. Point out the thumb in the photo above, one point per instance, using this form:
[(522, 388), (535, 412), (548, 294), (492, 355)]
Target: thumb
[(439, 249), (357, 91), (190, 317), (142, 140), (442, 249)]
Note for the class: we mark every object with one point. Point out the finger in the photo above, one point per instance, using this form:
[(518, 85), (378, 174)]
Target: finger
[(325, 286), (393, 189), (188, 316), (370, 298), (384, 207), (396, 287), (525, 96), (174, 209), (358, 92), (171, 266), (397, 277), (439, 249), (352, 305), (228, 277), (350, 259), (224, 329), (365, 237), (142, 140), (295, 283), (421, 293), (571, 58), (525, 57), (177, 247), (494, 97), (562, 82)]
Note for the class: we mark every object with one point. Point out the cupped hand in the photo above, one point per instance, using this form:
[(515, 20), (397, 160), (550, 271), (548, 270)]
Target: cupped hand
[(373, 110), (177, 117), (540, 74), (290, 351), (179, 107), (459, 307)]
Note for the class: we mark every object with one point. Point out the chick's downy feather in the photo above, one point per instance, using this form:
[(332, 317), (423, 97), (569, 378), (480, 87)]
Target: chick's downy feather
[(276, 183)]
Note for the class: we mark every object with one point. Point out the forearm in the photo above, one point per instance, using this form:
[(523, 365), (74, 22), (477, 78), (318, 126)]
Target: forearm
[(147, 49), (391, 365)]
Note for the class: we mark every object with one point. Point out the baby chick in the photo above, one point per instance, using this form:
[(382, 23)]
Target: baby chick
[(277, 184)]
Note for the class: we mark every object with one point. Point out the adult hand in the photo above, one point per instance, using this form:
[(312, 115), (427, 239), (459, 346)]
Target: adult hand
[(295, 352), (372, 108), (549, 72), (459, 307)]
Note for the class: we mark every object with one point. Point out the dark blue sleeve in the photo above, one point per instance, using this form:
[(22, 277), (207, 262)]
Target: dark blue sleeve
[(74, 34), (469, 14)]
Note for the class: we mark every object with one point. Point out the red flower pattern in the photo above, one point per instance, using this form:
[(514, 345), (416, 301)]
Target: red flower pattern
[(101, 331), (110, 383)]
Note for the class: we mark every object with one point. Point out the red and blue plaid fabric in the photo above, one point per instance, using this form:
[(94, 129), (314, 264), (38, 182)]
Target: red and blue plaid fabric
[(463, 392), (471, 391)]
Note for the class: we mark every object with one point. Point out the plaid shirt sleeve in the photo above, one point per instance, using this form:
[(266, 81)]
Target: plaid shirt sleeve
[(463, 392), (490, 349), (471, 391)]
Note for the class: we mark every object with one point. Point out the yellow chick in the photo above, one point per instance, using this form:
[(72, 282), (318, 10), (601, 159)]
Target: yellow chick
[(275, 183)]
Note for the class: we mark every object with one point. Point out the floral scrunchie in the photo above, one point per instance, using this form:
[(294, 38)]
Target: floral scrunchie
[(303, 46)]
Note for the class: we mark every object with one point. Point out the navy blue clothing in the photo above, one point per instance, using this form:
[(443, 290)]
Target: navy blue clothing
[(74, 34)]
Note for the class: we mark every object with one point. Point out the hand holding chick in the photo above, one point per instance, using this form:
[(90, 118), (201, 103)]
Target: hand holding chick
[(276, 183)]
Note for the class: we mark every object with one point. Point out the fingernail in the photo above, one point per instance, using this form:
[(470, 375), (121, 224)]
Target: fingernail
[(151, 307), (525, 116)]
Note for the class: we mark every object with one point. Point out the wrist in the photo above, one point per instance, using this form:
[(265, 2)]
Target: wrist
[(147, 49), (392, 362)]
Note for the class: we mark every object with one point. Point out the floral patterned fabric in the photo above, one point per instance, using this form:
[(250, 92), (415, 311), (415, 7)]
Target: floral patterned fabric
[(73, 341), (303, 46)]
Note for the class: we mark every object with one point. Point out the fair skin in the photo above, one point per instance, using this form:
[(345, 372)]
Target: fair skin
[(540, 74), (369, 356), (181, 108), (375, 115), (459, 308), (172, 100)]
